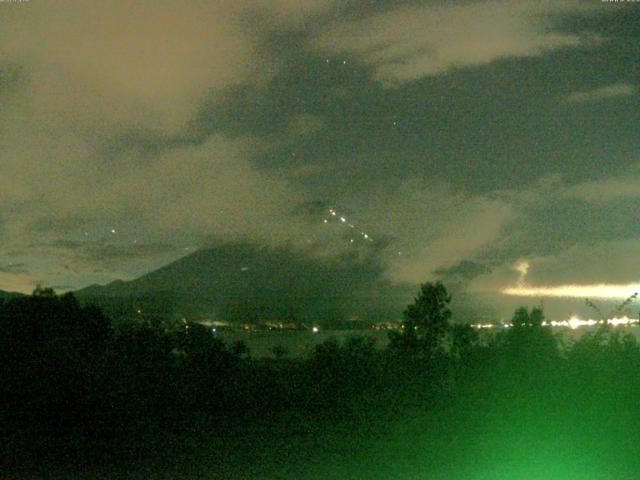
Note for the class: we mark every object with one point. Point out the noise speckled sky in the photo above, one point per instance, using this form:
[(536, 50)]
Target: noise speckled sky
[(463, 136)]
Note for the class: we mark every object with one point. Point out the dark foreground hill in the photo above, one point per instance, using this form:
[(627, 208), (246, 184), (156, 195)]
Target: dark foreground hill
[(84, 398), (244, 282)]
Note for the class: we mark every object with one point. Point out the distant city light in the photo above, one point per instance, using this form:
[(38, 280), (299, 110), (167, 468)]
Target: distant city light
[(573, 323)]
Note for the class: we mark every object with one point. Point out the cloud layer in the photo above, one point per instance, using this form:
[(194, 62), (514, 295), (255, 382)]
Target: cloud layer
[(99, 128), (603, 93), (438, 37), (134, 133)]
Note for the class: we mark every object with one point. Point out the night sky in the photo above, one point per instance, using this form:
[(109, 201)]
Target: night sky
[(465, 138)]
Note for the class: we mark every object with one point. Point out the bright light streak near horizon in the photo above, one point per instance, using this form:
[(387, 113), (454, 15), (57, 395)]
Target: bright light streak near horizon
[(601, 290)]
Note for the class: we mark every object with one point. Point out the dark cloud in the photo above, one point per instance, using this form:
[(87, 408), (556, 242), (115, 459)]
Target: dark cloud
[(607, 92), (66, 244), (465, 270), (556, 224), (14, 268), (106, 253), (11, 76), (314, 209)]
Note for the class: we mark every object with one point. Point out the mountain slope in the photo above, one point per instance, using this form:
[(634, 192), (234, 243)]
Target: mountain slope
[(4, 296), (244, 282)]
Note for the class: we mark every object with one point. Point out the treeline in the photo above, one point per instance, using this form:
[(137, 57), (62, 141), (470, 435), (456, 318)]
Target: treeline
[(76, 386)]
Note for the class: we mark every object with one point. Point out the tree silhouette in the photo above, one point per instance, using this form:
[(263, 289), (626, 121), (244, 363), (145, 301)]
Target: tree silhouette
[(529, 343), (523, 318), (520, 318), (430, 312), (463, 339), (426, 320)]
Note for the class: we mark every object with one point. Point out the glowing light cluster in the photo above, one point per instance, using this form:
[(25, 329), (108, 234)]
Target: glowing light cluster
[(572, 323), (343, 220)]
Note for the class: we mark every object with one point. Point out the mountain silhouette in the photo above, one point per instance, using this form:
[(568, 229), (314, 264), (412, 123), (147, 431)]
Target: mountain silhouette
[(4, 295), (243, 282)]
